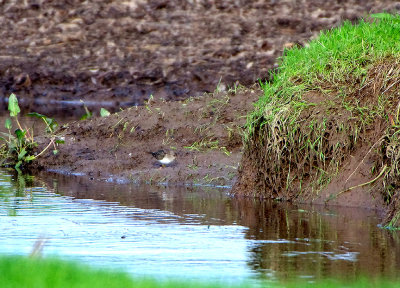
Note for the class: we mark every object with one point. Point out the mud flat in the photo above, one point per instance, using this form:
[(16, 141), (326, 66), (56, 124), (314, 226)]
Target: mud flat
[(205, 132)]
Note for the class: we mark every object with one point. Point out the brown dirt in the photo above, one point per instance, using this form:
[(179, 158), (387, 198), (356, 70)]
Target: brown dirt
[(116, 53)]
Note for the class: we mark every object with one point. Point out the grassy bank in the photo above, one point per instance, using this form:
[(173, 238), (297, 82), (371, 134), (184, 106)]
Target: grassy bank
[(337, 95), (24, 272)]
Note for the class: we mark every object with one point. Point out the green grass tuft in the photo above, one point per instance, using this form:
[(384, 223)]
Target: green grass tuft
[(333, 57)]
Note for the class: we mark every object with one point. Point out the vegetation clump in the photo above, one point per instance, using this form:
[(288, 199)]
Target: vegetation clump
[(326, 100), (18, 147)]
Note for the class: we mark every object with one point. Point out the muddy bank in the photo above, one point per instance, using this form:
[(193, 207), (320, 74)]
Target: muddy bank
[(326, 133), (117, 53), (205, 133)]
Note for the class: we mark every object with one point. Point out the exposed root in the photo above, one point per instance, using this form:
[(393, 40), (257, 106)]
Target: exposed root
[(362, 161), (333, 196)]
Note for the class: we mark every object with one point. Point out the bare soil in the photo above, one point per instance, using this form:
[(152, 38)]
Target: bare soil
[(116, 54)]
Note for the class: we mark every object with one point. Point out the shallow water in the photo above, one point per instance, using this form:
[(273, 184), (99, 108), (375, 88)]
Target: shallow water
[(190, 233)]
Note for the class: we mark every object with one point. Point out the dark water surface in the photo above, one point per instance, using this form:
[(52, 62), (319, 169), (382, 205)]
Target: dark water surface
[(190, 232)]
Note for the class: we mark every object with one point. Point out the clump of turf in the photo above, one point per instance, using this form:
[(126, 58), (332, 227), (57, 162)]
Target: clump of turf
[(326, 99)]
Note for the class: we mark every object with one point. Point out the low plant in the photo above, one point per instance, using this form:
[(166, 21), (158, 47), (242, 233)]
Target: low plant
[(104, 112), (209, 144), (88, 114), (18, 147)]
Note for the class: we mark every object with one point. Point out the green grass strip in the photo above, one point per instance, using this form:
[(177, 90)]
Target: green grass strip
[(25, 272), (21, 272)]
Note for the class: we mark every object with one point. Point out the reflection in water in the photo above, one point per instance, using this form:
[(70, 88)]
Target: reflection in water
[(317, 242), (187, 232)]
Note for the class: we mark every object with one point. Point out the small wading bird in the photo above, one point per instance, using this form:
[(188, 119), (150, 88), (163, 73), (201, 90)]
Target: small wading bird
[(164, 158)]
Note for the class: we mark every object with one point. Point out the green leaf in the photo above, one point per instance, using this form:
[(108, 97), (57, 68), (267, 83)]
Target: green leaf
[(8, 124), (37, 115), (59, 141), (87, 115), (7, 135), (22, 154), (12, 145), (50, 122), (30, 158), (13, 105), (104, 112), (53, 125), (20, 134), (18, 165), (55, 151)]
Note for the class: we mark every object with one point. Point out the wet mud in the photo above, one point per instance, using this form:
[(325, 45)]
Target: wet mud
[(204, 132)]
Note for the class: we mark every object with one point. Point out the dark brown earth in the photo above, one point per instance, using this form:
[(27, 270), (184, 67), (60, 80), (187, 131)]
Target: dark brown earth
[(116, 54)]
